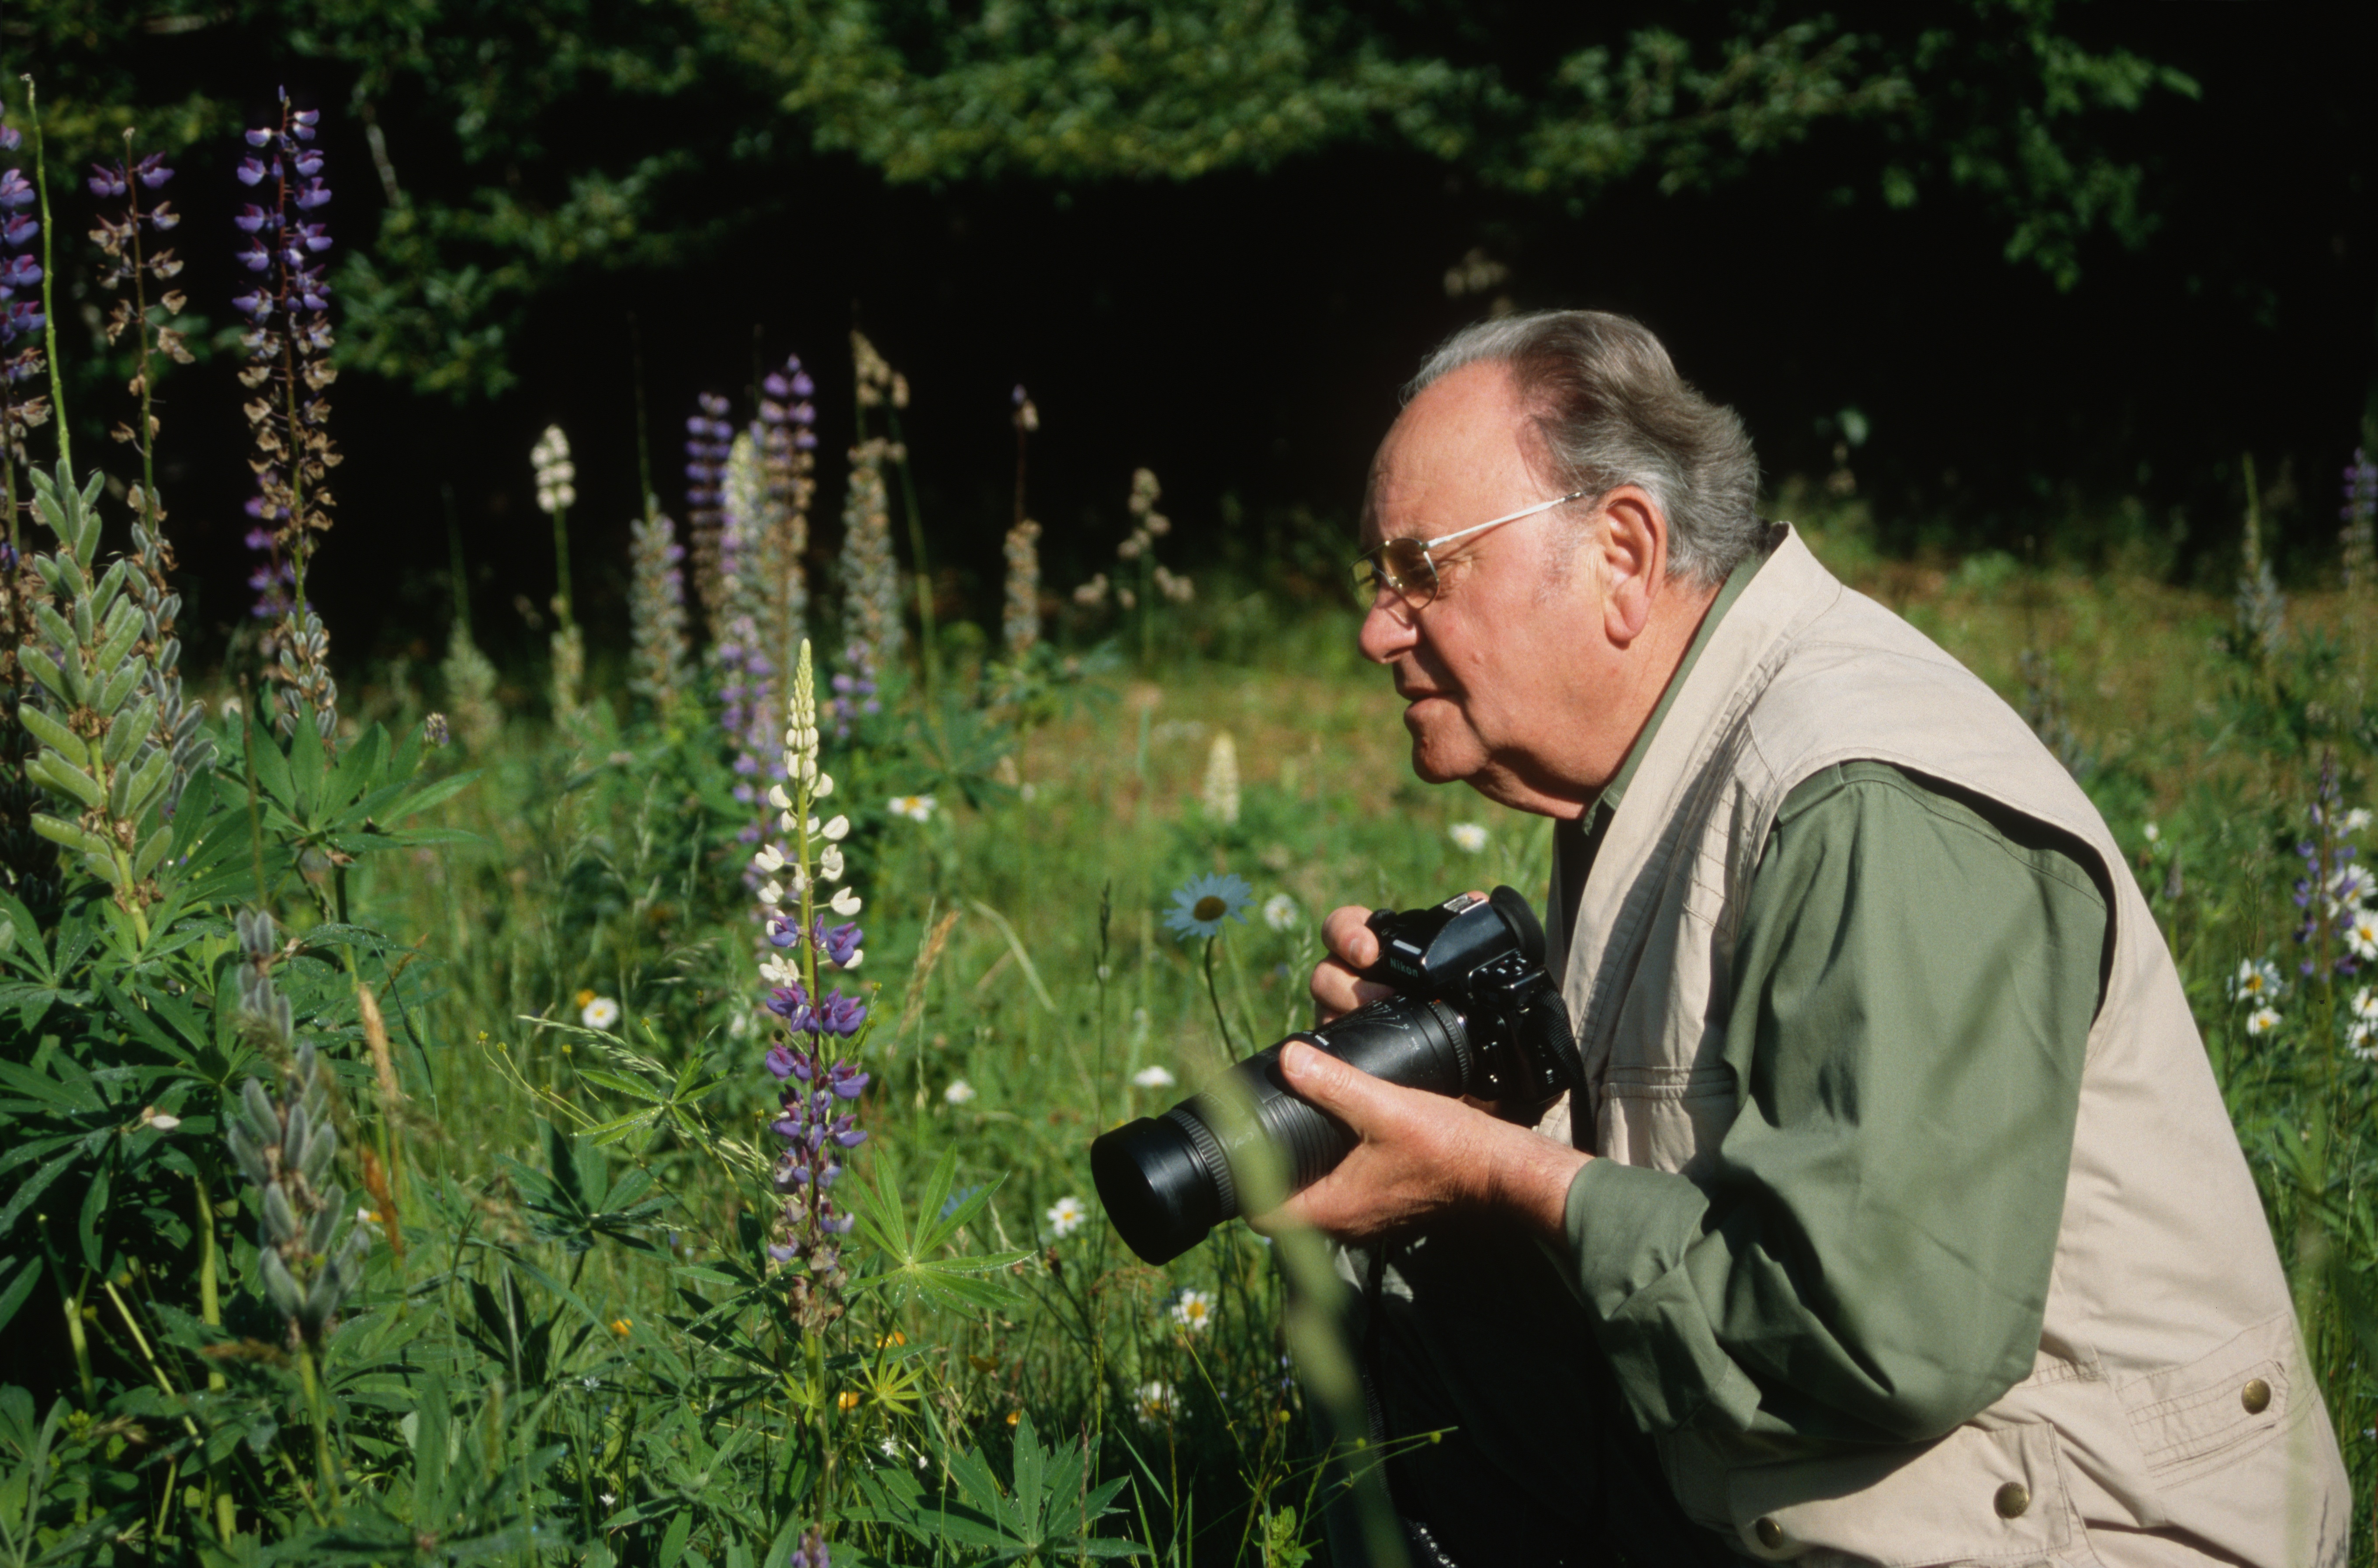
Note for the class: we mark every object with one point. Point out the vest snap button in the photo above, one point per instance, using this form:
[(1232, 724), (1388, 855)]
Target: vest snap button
[(2255, 1396), (2012, 1499), (1770, 1533)]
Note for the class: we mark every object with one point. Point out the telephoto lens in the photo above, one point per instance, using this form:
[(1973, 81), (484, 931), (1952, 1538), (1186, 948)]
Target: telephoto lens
[(1474, 1015)]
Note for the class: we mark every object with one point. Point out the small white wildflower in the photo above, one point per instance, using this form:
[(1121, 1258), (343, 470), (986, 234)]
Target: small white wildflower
[(1065, 1216), (2154, 833), (1469, 837), (1156, 1403), (915, 808), (600, 1013), (2365, 1005), (2262, 1020), (1153, 1077), (959, 1093), (2361, 934), (1280, 911), (1194, 1310), (2357, 820), (2256, 982)]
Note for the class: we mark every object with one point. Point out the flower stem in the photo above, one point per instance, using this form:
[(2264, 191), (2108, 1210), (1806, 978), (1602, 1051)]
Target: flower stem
[(49, 273), (1215, 998), (315, 1411)]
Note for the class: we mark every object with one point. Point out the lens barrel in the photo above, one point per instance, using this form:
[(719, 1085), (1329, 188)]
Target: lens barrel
[(1168, 1180)]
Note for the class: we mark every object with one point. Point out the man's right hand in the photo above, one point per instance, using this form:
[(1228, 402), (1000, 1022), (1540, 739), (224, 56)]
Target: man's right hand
[(1338, 985)]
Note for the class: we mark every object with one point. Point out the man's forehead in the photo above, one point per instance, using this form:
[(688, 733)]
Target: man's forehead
[(1459, 431)]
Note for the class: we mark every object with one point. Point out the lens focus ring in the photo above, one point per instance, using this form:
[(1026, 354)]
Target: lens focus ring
[(1209, 1152)]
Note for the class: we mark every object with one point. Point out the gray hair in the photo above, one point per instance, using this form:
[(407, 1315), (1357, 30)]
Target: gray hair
[(1609, 409)]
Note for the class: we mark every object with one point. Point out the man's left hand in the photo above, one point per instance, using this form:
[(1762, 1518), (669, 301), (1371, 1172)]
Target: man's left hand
[(1418, 1157)]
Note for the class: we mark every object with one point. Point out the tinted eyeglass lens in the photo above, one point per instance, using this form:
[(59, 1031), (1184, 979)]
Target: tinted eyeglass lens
[(1400, 565)]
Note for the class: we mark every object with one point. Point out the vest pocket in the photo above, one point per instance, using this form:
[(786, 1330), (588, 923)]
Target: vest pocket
[(1974, 1496), (2217, 1409)]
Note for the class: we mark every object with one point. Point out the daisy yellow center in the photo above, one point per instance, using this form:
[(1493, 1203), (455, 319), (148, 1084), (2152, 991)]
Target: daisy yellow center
[(1209, 908)]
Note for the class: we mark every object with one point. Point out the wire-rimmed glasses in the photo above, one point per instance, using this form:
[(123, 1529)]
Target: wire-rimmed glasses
[(1405, 568)]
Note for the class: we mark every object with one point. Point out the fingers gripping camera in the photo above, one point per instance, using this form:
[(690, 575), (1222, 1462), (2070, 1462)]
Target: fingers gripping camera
[(1474, 1014)]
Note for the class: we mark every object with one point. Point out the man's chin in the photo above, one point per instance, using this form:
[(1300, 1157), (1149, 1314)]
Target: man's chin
[(1432, 761)]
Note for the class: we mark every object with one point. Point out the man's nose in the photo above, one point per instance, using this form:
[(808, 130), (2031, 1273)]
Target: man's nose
[(1389, 629)]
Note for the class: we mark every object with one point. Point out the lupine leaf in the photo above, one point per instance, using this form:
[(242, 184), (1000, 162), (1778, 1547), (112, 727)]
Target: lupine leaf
[(306, 779), (909, 1267), (271, 768)]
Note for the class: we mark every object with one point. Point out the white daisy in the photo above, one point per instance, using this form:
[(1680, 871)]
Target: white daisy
[(1153, 1078), (2154, 833), (1469, 837), (2357, 820), (959, 1093), (1156, 1403), (915, 808), (2361, 934), (2256, 982), (2365, 1005), (1280, 911), (1194, 1310), (600, 1013), (2262, 1020), (1065, 1216)]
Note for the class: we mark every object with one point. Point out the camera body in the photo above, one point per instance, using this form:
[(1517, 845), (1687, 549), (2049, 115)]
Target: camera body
[(1474, 1014)]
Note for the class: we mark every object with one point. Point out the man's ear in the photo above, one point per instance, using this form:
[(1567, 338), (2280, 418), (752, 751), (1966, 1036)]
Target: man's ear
[(1634, 562)]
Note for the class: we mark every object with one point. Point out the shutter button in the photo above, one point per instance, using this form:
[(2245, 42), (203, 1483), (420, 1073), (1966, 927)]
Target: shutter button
[(2011, 1501), (1770, 1533), (2255, 1396)]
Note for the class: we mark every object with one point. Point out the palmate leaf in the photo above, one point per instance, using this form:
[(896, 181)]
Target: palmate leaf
[(908, 1265), (577, 1203), (1046, 1516)]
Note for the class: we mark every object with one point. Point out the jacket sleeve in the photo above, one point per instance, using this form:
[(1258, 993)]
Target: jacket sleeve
[(1866, 1258)]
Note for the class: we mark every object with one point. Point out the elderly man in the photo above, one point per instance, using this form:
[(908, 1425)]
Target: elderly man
[(1897, 1219)]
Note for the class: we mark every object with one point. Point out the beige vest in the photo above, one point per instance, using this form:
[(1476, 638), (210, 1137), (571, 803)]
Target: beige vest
[(2168, 1419)]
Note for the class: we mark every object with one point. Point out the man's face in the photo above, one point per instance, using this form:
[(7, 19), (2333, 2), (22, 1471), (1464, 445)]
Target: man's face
[(1499, 664)]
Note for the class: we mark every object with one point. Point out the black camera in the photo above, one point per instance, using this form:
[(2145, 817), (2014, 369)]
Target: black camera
[(1474, 1014)]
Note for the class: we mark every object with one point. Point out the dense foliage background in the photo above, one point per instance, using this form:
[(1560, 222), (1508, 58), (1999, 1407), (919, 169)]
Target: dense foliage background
[(2045, 270)]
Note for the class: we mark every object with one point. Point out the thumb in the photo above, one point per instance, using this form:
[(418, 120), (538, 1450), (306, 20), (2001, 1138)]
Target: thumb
[(1327, 1082)]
